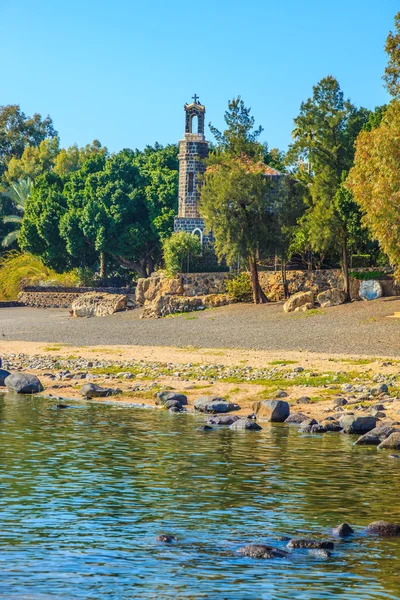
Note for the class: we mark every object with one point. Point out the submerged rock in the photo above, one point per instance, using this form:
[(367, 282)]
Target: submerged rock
[(214, 404), (384, 528), (170, 404), (375, 436), (23, 383), (245, 424), (165, 538), (331, 425), (261, 551), (306, 543), (319, 553), (392, 442), (275, 411), (343, 530)]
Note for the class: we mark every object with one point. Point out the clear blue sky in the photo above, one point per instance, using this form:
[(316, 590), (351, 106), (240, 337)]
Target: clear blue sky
[(120, 71)]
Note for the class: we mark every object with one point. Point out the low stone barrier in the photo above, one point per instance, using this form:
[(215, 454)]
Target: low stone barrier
[(60, 297)]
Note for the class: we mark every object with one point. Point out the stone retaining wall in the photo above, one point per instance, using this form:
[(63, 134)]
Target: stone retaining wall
[(62, 297)]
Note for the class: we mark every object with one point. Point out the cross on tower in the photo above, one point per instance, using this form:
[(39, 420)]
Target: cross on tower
[(195, 98)]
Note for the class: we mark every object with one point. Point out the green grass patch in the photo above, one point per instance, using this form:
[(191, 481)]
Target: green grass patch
[(52, 349), (283, 362), (357, 361), (309, 313)]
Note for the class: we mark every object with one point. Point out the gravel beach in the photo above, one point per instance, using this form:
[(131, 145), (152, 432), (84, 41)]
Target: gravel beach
[(357, 328)]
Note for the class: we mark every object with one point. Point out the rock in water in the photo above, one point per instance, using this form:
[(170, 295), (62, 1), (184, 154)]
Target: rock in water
[(297, 418), (164, 397), (375, 436), (92, 390), (165, 538), (214, 404), (298, 300), (331, 297), (222, 420), (94, 304), (3, 375), (275, 411), (245, 424), (261, 551), (331, 425), (384, 528), (23, 383), (305, 543), (343, 530), (370, 290), (354, 424), (391, 443)]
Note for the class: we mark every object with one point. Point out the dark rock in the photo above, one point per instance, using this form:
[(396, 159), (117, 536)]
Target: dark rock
[(164, 397), (331, 425), (62, 406), (378, 407), (245, 424), (353, 424), (305, 427), (222, 419), (343, 530), (340, 402), (173, 404), (303, 400), (275, 411), (394, 455), (92, 390), (204, 428), (174, 409), (214, 404), (378, 414), (384, 528), (23, 383), (281, 394), (305, 543), (167, 539), (375, 436), (261, 551), (297, 418), (392, 442), (319, 553), (3, 375)]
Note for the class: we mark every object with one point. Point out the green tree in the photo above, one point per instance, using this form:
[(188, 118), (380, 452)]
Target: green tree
[(35, 161), (240, 137), (237, 202), (18, 131), (374, 181), (274, 158), (179, 250), (72, 159), (392, 71), (18, 193), (324, 136)]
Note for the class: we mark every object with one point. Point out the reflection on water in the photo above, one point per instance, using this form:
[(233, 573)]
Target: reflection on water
[(85, 491)]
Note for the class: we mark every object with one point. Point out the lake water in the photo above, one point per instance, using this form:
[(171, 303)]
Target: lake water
[(85, 491)]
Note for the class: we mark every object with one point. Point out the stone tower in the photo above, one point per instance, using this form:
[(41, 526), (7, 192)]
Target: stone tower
[(193, 149)]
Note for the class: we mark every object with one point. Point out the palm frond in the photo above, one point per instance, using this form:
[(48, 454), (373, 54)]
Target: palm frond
[(10, 238), (12, 219)]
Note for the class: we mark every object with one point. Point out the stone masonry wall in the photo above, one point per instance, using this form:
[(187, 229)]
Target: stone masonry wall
[(59, 297)]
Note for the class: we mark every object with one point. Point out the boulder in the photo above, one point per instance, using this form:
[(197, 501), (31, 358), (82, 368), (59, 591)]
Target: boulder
[(245, 424), (92, 390), (165, 538), (281, 394), (214, 404), (340, 402), (331, 297), (3, 375), (222, 419), (384, 528), (303, 400), (343, 530), (297, 418), (312, 426), (173, 404), (305, 307), (370, 289), (164, 397), (306, 543), (261, 551), (392, 442), (94, 304), (354, 424), (298, 300), (275, 411), (331, 425), (23, 383)]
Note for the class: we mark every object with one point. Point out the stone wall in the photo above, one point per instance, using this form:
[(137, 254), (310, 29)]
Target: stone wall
[(60, 297)]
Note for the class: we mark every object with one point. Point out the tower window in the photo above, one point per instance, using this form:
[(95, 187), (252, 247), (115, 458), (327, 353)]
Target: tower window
[(194, 124), (190, 183)]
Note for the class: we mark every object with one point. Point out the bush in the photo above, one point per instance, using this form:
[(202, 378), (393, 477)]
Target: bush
[(358, 261), (240, 288), (367, 275), (179, 250), (20, 269)]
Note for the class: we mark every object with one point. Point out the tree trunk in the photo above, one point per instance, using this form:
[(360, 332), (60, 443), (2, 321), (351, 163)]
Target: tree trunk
[(284, 280), (103, 267), (345, 269), (138, 267), (258, 295)]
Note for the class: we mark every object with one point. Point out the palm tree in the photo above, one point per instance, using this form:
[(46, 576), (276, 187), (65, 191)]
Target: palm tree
[(18, 193)]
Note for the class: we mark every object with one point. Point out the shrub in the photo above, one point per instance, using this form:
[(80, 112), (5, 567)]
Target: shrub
[(367, 275), (179, 250), (240, 288), (19, 269)]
